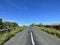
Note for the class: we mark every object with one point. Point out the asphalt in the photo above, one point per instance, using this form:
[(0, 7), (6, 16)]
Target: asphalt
[(39, 37)]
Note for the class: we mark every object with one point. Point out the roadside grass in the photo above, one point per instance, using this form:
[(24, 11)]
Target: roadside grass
[(6, 36), (51, 31)]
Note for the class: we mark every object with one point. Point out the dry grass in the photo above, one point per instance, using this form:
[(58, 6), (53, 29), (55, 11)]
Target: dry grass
[(50, 31)]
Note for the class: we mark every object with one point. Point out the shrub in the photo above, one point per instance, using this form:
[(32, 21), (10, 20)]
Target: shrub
[(6, 36)]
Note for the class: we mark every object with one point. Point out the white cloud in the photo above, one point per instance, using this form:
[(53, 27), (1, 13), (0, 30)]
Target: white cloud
[(13, 4), (24, 7)]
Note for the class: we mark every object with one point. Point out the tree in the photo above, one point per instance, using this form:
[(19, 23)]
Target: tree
[(6, 24), (40, 24), (33, 24), (1, 26), (14, 24), (10, 24)]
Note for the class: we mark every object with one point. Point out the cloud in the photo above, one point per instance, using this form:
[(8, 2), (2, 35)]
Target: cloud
[(24, 7), (13, 4)]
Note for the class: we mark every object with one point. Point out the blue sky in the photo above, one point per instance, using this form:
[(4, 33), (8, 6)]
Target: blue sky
[(26, 12)]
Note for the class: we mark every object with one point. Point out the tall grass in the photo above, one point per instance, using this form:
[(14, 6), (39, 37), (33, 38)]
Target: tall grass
[(50, 31), (6, 36)]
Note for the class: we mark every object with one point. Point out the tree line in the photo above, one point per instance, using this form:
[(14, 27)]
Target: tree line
[(7, 24), (55, 26)]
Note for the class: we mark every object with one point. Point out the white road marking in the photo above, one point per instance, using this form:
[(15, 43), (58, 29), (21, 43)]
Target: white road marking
[(32, 39)]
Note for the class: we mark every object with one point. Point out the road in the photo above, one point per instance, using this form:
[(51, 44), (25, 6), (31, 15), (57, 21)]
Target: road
[(32, 36)]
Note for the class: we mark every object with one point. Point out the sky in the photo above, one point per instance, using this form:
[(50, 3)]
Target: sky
[(26, 12)]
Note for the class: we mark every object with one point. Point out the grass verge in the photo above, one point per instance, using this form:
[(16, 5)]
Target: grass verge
[(6, 36), (51, 31)]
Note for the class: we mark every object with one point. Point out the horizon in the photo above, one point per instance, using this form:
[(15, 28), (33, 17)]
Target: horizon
[(26, 12)]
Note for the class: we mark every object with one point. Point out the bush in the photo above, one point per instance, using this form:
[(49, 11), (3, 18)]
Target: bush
[(6, 36)]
